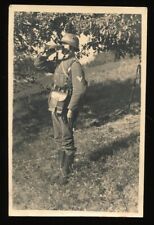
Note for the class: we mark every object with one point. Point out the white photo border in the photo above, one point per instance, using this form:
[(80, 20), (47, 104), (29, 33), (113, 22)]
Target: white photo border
[(78, 9)]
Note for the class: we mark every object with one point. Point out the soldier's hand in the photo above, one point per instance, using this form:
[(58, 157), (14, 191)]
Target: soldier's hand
[(69, 118), (69, 114), (49, 49)]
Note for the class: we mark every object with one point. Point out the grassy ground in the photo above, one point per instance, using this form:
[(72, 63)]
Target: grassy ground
[(106, 167)]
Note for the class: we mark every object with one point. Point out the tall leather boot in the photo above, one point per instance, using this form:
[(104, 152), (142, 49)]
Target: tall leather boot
[(66, 169)]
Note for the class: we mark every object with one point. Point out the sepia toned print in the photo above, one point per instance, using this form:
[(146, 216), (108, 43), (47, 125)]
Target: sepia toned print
[(77, 78)]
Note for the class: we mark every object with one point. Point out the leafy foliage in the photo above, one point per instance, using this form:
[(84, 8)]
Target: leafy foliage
[(120, 33)]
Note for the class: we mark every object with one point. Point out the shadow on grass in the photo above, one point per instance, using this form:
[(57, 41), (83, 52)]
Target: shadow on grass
[(113, 147), (107, 150), (27, 126), (109, 101), (101, 101)]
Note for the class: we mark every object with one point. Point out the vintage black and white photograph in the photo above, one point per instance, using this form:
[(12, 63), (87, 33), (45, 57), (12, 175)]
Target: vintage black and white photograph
[(77, 86)]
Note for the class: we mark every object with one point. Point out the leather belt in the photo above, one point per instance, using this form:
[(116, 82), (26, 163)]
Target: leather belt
[(61, 89)]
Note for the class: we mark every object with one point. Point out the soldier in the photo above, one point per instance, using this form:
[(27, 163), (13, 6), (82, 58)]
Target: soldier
[(64, 101)]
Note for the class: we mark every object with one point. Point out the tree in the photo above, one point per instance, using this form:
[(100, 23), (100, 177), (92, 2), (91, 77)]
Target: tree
[(120, 33)]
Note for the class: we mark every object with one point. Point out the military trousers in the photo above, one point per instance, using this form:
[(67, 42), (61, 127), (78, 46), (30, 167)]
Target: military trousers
[(63, 132)]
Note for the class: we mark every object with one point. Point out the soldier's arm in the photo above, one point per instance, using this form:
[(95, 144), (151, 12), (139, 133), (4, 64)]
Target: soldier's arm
[(41, 63), (79, 86)]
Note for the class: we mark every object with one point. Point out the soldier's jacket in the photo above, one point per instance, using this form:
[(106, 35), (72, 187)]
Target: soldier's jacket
[(76, 80)]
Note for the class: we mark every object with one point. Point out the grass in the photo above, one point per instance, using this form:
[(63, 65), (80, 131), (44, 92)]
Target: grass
[(105, 176)]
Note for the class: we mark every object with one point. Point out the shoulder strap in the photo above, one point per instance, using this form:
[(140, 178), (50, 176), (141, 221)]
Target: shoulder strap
[(69, 68), (64, 71), (73, 61)]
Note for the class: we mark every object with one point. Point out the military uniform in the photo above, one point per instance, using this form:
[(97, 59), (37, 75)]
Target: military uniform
[(75, 89), (68, 89)]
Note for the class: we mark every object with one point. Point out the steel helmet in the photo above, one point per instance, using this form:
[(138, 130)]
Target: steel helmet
[(71, 39)]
